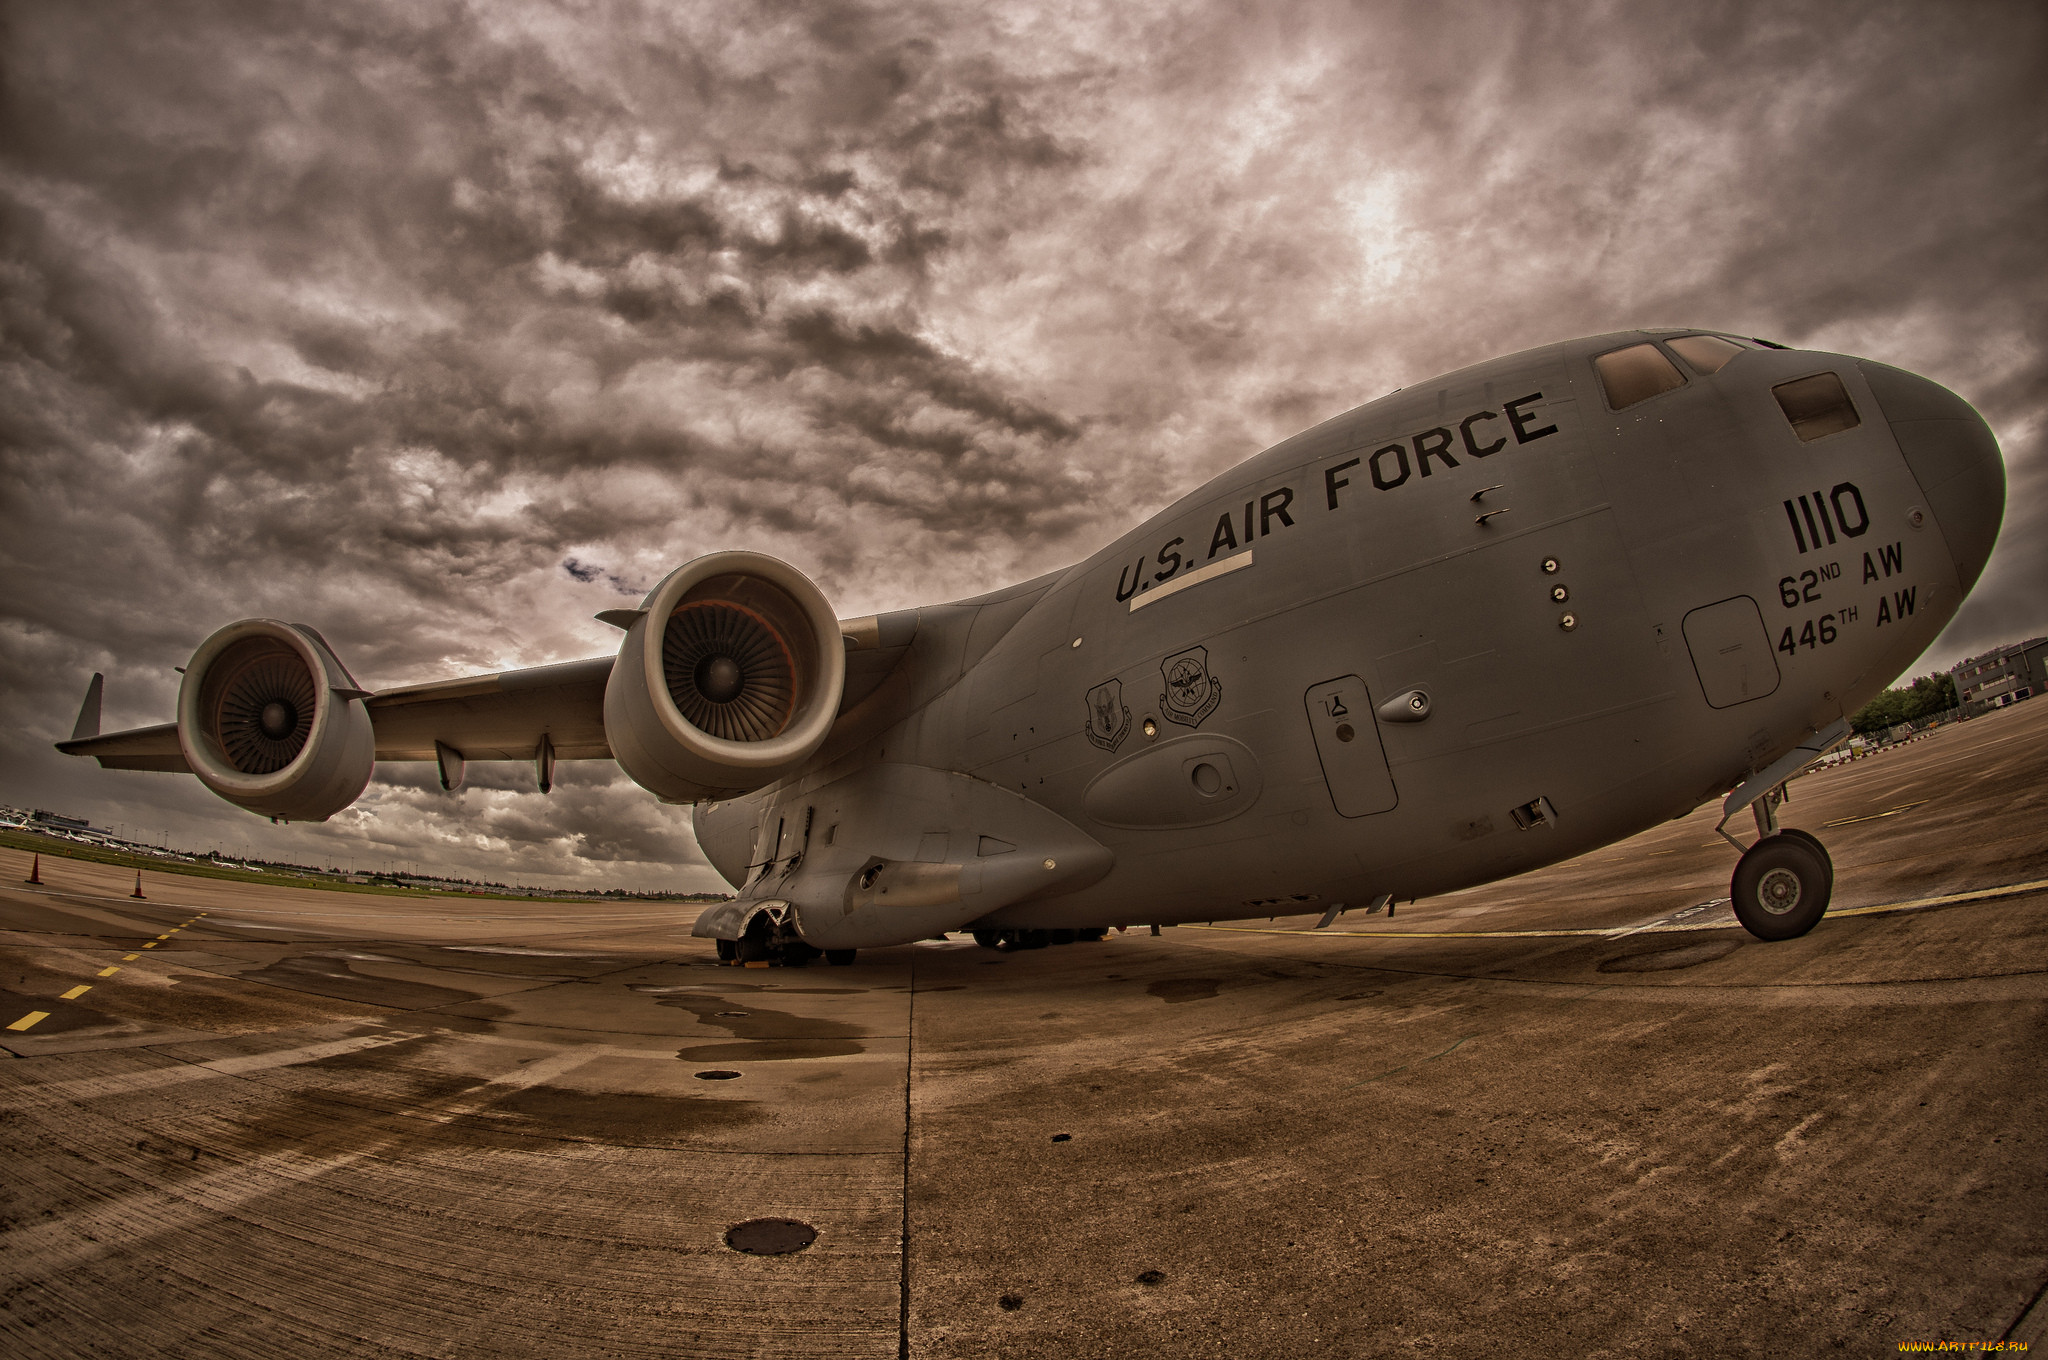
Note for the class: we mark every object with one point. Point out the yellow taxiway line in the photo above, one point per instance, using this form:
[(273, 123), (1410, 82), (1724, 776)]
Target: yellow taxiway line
[(1918, 903)]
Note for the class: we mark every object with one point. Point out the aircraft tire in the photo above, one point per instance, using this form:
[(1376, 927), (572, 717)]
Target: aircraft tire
[(1826, 859), (754, 946), (989, 939), (728, 950), (839, 958), (1781, 887)]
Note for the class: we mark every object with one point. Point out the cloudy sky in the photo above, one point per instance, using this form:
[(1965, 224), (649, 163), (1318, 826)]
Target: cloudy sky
[(444, 326)]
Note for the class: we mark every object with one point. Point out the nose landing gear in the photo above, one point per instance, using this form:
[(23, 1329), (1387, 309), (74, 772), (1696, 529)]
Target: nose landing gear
[(1782, 884)]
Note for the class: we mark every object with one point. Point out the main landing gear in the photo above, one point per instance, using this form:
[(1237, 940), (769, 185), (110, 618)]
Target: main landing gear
[(1009, 941), (1782, 883), (777, 946)]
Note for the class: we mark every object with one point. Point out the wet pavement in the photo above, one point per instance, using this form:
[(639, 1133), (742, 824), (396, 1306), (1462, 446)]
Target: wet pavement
[(1576, 1113)]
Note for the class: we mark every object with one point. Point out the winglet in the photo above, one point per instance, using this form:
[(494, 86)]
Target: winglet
[(88, 724), (621, 618)]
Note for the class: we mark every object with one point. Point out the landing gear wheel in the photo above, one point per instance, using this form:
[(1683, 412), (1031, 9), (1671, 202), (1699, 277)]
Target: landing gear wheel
[(839, 958), (728, 950), (1781, 887), (989, 939), (1826, 860), (756, 946)]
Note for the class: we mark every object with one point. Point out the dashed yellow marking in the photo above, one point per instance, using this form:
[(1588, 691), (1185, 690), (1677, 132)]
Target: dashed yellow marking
[(30, 1019), (110, 970), (76, 992), (1875, 816), (163, 937), (150, 945), (130, 958)]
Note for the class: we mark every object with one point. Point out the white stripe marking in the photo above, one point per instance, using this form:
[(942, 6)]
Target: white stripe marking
[(1193, 578)]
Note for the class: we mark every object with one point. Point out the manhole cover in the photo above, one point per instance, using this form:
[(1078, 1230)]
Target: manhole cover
[(735, 1015), (717, 1074), (770, 1236), (1063, 1138)]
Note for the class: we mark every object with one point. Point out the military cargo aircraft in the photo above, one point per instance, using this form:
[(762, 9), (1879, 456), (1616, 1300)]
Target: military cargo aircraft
[(1479, 625)]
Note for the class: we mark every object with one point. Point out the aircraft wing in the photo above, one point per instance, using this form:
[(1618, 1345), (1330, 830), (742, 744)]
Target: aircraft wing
[(499, 716), (141, 748)]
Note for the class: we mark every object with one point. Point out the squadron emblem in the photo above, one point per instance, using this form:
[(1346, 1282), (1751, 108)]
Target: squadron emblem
[(1108, 720), (1191, 692)]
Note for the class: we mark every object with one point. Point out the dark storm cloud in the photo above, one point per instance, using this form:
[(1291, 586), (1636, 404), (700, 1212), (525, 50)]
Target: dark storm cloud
[(442, 327)]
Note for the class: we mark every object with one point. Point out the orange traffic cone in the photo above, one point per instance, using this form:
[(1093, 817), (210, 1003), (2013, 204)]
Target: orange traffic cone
[(138, 885), (35, 870)]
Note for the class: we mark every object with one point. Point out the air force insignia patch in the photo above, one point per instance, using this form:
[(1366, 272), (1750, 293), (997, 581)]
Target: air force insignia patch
[(1191, 692), (1108, 720)]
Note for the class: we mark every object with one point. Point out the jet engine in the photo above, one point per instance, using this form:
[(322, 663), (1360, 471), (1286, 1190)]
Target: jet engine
[(729, 677), (268, 719)]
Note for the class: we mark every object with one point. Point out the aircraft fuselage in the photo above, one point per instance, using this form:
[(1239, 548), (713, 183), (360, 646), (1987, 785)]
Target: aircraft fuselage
[(1479, 625)]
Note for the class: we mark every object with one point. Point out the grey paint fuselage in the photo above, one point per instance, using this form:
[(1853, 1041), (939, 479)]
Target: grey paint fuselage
[(1369, 575)]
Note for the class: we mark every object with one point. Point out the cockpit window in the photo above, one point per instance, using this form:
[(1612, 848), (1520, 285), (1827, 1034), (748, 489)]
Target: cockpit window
[(1636, 374), (1817, 406), (1706, 353)]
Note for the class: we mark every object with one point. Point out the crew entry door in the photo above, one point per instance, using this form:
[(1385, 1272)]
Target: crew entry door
[(1348, 744)]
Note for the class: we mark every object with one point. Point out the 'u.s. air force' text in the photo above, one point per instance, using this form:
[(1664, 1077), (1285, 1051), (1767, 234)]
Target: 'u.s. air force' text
[(1389, 467)]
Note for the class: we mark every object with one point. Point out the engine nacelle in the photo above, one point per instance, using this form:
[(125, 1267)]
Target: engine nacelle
[(729, 679), (269, 720)]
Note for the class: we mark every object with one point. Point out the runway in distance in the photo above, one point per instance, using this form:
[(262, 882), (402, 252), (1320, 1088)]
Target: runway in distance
[(1482, 624)]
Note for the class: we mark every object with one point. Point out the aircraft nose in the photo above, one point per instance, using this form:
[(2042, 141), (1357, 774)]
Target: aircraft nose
[(1953, 455)]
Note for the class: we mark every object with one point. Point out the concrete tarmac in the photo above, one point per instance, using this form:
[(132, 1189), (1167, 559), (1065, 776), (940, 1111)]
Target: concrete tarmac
[(1575, 1113)]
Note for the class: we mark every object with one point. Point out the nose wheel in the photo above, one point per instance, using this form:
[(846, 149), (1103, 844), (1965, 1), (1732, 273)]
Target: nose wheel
[(1782, 885)]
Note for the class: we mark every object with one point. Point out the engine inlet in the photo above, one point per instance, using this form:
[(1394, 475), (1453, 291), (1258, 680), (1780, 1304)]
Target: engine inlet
[(729, 671), (264, 707)]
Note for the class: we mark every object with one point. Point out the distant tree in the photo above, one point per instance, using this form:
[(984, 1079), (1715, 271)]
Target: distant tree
[(1925, 697)]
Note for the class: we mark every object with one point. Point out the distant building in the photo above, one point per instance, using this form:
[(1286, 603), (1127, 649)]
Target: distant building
[(2018, 670), (53, 822)]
